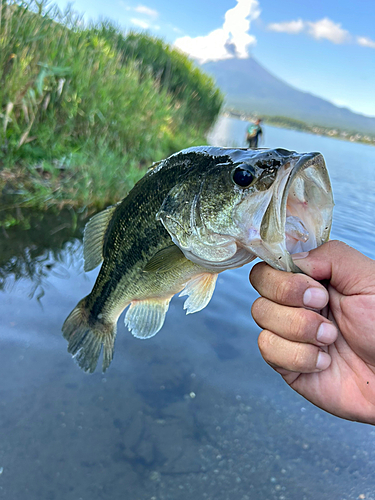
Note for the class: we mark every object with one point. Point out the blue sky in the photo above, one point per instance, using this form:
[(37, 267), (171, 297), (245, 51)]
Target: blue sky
[(323, 47)]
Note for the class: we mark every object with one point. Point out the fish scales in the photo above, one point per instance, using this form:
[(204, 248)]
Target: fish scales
[(134, 235), (192, 216)]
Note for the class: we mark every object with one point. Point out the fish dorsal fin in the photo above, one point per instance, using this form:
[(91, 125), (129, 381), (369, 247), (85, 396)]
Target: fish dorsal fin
[(93, 238), (199, 290), (164, 260), (144, 318)]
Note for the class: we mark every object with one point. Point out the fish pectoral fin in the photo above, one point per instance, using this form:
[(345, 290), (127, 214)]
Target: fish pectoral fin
[(145, 318), (164, 260), (93, 238), (199, 290)]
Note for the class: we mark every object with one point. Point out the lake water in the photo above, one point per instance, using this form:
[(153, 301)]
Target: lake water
[(193, 413)]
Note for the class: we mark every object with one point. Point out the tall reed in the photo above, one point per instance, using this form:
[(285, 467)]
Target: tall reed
[(79, 118)]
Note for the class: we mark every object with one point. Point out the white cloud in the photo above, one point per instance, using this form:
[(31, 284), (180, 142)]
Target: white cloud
[(231, 40), (322, 29), (142, 9), (140, 23), (291, 27), (366, 42), (325, 28)]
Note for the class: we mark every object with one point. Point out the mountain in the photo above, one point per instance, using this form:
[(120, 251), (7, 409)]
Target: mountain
[(251, 88)]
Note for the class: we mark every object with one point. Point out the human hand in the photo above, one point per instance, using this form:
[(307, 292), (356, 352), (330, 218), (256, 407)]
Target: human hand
[(322, 341)]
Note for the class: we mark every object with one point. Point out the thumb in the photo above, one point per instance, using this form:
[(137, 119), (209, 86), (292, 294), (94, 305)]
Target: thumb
[(348, 270)]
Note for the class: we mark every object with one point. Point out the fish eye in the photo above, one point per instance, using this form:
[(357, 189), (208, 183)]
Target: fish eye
[(243, 175)]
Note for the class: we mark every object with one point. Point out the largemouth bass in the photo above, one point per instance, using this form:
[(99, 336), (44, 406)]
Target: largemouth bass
[(197, 213)]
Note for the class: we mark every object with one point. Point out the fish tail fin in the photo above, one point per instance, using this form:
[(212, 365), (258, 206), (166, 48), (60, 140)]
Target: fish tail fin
[(87, 336)]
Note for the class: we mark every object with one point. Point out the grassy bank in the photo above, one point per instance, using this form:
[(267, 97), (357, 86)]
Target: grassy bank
[(86, 109)]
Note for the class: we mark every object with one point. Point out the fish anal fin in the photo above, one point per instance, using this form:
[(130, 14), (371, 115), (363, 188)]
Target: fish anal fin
[(164, 260), (93, 238), (145, 318), (199, 290)]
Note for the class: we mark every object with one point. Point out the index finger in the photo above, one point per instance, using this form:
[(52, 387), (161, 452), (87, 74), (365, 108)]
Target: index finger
[(290, 289)]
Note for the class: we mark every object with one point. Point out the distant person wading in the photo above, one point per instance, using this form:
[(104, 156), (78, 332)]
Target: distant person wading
[(253, 132)]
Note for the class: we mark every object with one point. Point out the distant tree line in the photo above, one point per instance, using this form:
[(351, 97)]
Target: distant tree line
[(294, 124)]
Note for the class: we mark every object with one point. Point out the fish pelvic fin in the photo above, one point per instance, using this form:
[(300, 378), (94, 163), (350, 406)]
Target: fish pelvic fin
[(145, 318), (199, 290), (87, 337)]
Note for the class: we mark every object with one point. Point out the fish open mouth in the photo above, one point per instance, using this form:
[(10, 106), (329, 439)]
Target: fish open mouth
[(308, 205), (299, 215)]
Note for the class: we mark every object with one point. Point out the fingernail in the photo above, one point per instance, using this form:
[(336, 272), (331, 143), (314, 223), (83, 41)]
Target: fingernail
[(326, 334), (301, 255), (324, 360), (316, 298)]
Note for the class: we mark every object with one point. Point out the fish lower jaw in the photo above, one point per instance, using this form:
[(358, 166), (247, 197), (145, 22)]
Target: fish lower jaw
[(275, 254), (274, 251), (298, 237), (278, 254)]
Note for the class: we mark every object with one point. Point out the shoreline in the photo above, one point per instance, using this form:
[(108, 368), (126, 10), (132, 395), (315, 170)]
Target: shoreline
[(299, 126)]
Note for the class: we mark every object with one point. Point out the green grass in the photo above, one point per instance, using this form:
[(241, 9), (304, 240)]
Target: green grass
[(81, 120)]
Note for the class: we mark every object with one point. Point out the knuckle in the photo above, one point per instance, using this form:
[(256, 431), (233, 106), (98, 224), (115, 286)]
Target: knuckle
[(258, 273), (300, 324), (335, 247), (303, 358), (254, 273), (258, 308), (285, 290), (264, 342), (334, 244)]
